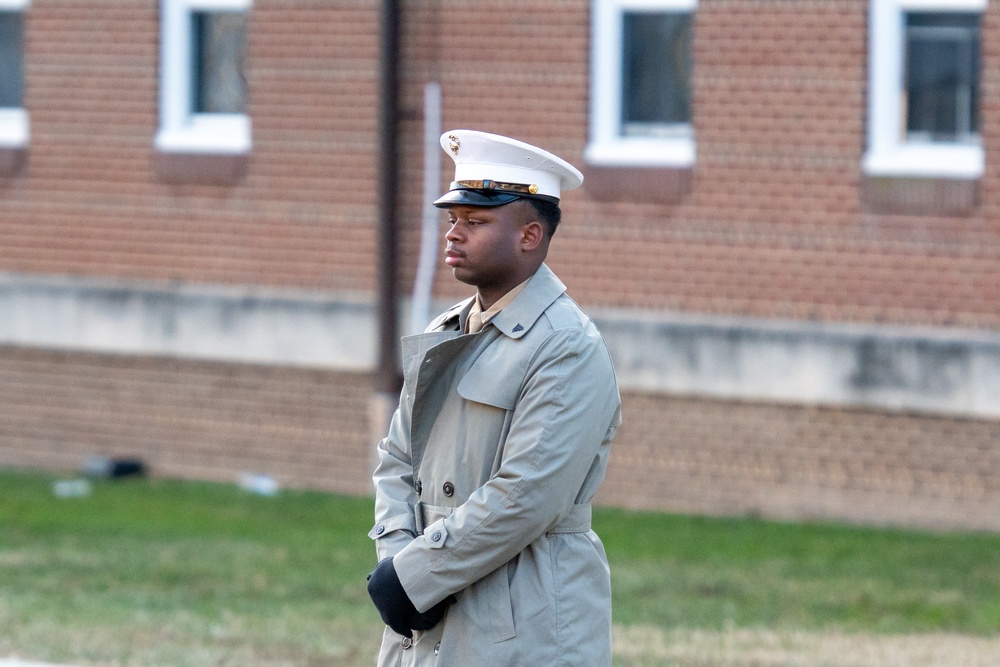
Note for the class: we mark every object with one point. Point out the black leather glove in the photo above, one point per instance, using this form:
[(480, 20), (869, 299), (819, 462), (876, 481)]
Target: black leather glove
[(390, 598), (428, 619), (394, 605)]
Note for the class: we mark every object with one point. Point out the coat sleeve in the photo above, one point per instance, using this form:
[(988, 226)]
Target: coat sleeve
[(395, 496), (567, 410)]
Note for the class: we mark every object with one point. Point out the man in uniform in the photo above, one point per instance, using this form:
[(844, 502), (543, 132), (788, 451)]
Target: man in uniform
[(501, 439)]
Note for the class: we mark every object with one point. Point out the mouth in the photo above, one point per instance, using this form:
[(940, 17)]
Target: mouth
[(453, 257)]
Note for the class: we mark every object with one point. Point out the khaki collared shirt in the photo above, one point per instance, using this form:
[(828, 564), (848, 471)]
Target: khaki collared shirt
[(478, 319)]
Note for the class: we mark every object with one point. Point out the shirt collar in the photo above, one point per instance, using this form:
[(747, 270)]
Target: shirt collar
[(501, 303)]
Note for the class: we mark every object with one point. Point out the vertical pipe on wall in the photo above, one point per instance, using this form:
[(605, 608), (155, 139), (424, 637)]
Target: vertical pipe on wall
[(429, 236), (387, 376), (388, 379)]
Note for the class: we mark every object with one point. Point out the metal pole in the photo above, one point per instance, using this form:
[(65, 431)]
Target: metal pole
[(388, 379), (430, 237)]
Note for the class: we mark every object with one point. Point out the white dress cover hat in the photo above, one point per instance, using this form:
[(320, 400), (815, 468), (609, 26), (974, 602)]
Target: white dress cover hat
[(492, 170)]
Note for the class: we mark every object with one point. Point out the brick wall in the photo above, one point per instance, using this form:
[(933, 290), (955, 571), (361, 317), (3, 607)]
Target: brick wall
[(89, 202), (190, 419), (800, 462), (773, 224)]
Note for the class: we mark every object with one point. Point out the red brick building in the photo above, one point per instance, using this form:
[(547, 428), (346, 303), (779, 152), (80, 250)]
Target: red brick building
[(788, 231)]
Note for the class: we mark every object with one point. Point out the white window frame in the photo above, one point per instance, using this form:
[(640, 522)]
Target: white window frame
[(181, 130), (607, 147), (14, 126), (889, 154)]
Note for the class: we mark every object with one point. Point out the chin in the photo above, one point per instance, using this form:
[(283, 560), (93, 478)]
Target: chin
[(463, 276)]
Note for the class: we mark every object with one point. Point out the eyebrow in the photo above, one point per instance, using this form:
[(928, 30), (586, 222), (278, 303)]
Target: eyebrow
[(478, 215)]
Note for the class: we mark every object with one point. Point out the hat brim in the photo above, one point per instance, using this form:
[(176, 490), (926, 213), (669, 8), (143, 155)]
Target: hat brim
[(474, 198)]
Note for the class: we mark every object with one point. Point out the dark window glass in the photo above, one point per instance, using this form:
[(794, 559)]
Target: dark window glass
[(219, 84), (942, 76), (11, 65), (656, 77)]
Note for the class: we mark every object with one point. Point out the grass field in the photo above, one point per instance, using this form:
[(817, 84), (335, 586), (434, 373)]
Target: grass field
[(170, 573)]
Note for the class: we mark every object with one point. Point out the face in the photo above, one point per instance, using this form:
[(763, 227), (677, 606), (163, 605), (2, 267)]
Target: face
[(488, 247)]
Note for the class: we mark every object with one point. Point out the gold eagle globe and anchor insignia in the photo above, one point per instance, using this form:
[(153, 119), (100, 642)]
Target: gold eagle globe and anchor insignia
[(454, 144)]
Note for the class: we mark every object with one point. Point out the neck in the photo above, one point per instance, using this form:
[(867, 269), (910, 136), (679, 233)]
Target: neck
[(488, 296)]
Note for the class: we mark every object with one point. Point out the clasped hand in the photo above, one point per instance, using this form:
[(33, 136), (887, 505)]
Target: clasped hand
[(394, 605)]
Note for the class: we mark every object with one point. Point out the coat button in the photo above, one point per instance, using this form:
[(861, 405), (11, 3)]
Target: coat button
[(407, 643), (418, 487), (436, 537), (449, 489), (437, 648), (380, 529)]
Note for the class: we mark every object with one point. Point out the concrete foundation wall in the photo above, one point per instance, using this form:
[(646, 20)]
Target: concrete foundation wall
[(936, 370)]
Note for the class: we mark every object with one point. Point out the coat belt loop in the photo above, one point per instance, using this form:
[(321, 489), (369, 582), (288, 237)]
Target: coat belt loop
[(418, 517)]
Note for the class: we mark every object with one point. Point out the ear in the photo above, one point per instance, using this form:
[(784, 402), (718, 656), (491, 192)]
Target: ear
[(532, 235)]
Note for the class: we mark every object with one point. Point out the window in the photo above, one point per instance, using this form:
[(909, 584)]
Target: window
[(12, 81), (924, 89), (656, 91), (217, 62), (640, 105), (13, 117), (942, 77), (203, 91)]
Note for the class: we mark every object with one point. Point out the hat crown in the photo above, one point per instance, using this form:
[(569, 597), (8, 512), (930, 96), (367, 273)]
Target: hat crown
[(485, 157)]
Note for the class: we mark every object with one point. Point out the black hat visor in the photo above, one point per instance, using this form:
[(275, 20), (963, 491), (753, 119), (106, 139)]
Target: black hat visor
[(469, 197)]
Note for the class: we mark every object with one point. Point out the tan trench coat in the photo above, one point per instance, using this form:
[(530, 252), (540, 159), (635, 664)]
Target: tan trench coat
[(484, 485)]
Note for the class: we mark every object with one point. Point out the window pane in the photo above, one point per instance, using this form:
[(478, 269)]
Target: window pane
[(11, 66), (219, 84), (656, 81), (942, 76)]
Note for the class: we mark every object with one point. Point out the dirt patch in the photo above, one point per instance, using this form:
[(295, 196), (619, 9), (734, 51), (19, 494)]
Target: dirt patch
[(648, 646)]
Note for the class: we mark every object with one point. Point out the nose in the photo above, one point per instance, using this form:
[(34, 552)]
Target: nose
[(452, 234)]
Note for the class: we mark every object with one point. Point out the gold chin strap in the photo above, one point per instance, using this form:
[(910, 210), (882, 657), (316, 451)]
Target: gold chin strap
[(488, 184)]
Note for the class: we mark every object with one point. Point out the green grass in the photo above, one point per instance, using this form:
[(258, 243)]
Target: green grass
[(673, 571), (183, 573), (158, 572)]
